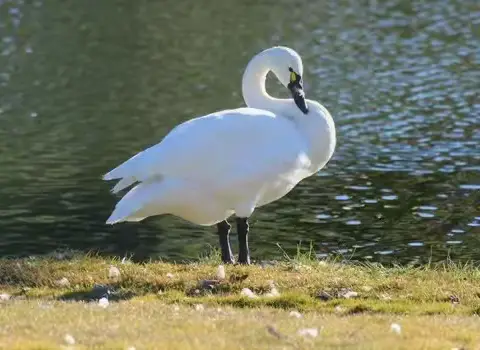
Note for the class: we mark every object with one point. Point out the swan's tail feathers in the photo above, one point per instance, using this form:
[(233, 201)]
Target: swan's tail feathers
[(112, 174), (135, 205), (123, 183), (107, 177), (112, 220), (116, 173), (126, 169)]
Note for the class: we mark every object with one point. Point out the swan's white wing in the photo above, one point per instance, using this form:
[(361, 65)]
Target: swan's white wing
[(225, 148)]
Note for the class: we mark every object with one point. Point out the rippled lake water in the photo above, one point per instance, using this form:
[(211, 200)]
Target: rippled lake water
[(86, 84)]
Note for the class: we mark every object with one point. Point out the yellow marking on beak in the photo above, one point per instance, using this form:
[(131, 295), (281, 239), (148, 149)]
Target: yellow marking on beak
[(293, 77)]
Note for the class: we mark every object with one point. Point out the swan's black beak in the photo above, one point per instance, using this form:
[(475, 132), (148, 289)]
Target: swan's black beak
[(298, 94)]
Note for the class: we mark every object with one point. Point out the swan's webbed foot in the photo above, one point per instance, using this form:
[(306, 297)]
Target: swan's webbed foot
[(242, 231), (224, 239)]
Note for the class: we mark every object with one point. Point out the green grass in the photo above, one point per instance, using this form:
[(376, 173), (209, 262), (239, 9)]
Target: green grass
[(440, 302)]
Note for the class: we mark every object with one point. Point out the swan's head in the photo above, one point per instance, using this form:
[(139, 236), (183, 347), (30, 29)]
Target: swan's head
[(287, 65)]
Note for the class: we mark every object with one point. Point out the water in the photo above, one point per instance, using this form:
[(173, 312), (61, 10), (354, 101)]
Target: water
[(86, 84)]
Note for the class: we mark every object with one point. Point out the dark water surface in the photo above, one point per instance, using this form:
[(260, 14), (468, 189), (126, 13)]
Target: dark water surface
[(86, 84)]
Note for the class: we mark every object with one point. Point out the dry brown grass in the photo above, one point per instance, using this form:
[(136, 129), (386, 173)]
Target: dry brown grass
[(156, 325)]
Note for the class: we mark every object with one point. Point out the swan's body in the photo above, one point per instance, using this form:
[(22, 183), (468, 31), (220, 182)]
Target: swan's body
[(231, 161)]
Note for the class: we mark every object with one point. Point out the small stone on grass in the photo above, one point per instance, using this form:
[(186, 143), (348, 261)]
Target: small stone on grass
[(273, 290), (103, 302), (347, 294), (69, 339), (308, 332), (385, 296), (4, 297), (63, 282), (113, 272), (248, 293), (221, 272), (396, 328), (295, 314)]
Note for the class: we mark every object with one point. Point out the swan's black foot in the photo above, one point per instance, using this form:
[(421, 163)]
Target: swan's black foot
[(224, 239), (243, 251)]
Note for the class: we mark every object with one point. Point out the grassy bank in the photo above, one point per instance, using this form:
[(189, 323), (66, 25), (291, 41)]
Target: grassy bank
[(187, 306), (155, 325)]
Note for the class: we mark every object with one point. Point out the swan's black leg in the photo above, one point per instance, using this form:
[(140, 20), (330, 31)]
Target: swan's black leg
[(224, 238), (242, 231)]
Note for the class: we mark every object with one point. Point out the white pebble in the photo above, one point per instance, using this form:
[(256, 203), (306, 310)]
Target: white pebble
[(131, 348), (273, 293), (350, 294), (221, 272), (113, 272), (103, 302), (70, 340), (385, 297), (295, 314), (248, 293), (308, 332), (176, 308), (4, 297), (63, 282), (170, 275), (396, 328), (273, 290), (199, 307)]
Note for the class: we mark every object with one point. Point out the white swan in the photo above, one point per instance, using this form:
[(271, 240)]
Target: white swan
[(231, 161)]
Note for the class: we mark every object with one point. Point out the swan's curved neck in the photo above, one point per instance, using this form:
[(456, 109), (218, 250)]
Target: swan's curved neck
[(317, 127), (253, 84)]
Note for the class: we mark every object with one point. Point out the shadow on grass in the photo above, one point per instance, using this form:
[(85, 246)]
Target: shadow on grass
[(112, 292)]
